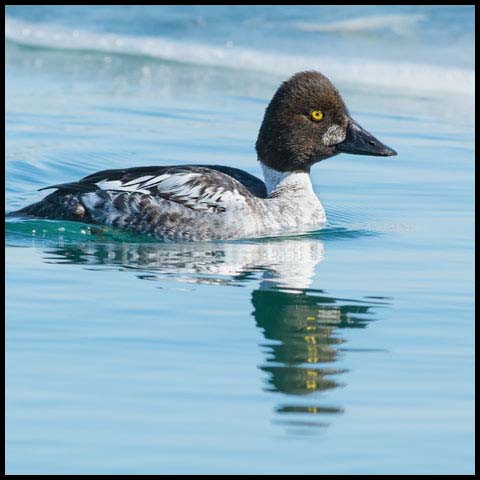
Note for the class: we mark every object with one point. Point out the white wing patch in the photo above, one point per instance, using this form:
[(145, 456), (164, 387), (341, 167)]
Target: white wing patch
[(117, 185), (179, 187), (139, 180)]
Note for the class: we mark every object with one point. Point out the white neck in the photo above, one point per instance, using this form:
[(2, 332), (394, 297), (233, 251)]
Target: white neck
[(297, 181), (292, 199)]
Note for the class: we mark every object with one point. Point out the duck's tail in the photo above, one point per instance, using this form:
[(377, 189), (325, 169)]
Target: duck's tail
[(59, 205)]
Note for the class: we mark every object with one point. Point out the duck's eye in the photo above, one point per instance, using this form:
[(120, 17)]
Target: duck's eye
[(316, 115)]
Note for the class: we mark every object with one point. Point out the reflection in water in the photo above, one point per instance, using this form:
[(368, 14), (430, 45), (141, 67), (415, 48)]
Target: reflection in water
[(301, 327), (302, 330), (289, 263)]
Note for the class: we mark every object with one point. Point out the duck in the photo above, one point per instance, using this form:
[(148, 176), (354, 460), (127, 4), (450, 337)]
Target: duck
[(305, 123)]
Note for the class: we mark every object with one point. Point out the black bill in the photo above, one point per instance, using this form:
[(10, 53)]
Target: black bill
[(359, 142)]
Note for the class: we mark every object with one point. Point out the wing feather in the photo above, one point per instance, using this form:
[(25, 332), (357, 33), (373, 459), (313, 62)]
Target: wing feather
[(197, 187)]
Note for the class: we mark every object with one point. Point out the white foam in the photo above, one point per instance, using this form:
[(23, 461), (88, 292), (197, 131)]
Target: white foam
[(399, 24), (399, 75)]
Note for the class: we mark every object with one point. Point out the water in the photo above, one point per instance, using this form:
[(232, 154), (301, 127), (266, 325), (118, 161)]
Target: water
[(346, 350)]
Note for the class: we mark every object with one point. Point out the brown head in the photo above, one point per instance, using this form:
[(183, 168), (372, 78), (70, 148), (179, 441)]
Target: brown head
[(306, 122)]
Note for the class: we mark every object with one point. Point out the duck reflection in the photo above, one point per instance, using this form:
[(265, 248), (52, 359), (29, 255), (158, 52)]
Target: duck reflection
[(287, 263), (302, 327), (303, 345)]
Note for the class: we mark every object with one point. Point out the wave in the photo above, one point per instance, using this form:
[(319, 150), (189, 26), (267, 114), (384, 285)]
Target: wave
[(399, 24), (399, 75)]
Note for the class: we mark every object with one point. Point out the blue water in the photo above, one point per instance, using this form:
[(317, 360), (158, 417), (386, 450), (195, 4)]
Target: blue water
[(346, 350)]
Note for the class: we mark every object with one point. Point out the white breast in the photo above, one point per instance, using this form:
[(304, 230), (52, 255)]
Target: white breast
[(292, 201)]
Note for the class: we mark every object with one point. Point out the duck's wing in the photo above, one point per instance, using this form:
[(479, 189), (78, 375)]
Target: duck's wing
[(253, 184), (196, 187)]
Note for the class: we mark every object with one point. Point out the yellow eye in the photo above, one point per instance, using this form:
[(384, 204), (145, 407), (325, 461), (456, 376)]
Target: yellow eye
[(316, 115)]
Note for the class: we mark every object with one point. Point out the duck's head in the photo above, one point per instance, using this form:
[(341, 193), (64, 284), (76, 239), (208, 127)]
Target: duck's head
[(306, 122)]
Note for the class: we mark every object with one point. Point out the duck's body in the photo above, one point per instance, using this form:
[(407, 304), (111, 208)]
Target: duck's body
[(215, 202), (190, 202)]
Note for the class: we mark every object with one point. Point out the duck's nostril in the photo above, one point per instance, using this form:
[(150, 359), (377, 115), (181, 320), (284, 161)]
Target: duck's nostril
[(371, 142)]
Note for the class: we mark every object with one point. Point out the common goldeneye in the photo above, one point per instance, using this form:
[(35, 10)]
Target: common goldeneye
[(305, 122)]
